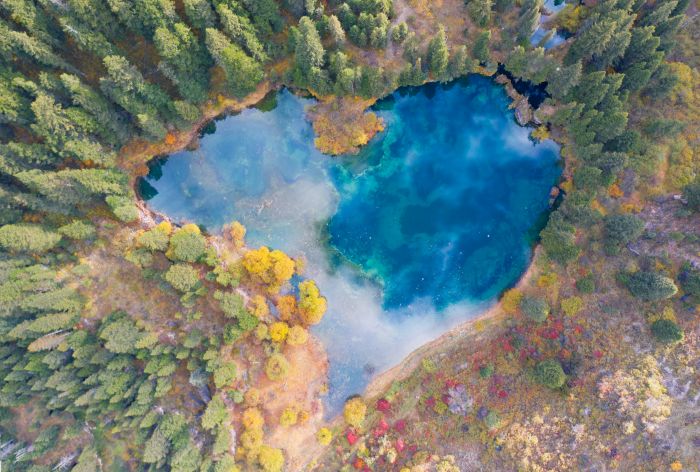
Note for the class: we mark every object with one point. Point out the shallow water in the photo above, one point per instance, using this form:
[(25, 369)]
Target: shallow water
[(420, 231), (541, 32)]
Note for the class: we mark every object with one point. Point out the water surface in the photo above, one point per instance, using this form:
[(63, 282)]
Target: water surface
[(421, 230)]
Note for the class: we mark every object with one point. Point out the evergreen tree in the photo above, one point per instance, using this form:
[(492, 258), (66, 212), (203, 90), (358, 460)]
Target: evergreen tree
[(480, 12), (112, 126), (336, 30), (29, 47), (641, 59), (243, 73), (651, 286), (309, 50), (144, 16), (438, 55), (528, 20), (184, 61), (241, 31), (27, 238), (480, 49), (148, 104), (199, 13), (562, 78)]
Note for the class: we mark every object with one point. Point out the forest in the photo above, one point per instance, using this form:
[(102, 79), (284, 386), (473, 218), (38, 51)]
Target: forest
[(131, 343)]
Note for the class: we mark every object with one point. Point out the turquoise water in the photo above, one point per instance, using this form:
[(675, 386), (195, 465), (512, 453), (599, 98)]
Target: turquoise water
[(423, 229)]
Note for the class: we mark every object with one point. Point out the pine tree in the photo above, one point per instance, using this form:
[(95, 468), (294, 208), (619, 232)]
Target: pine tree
[(438, 55), (144, 16), (27, 238), (240, 30), (336, 30), (242, 72), (184, 61), (112, 125), (148, 104), (265, 15), (480, 11), (21, 43), (309, 50), (528, 20), (562, 78), (480, 50), (199, 13)]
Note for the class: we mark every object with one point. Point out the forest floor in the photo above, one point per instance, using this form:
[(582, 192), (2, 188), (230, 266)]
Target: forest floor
[(115, 283)]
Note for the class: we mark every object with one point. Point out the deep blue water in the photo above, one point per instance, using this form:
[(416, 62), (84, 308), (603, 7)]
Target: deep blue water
[(431, 221), (447, 209)]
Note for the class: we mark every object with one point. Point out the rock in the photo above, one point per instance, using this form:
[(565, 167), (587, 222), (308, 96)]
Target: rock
[(523, 112), (501, 79)]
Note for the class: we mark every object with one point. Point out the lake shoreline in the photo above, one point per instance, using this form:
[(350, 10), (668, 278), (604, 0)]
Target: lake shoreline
[(491, 320), (134, 157)]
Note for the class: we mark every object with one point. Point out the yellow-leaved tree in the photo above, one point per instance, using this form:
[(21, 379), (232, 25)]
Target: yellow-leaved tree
[(312, 306), (272, 268), (238, 234), (286, 306), (354, 412)]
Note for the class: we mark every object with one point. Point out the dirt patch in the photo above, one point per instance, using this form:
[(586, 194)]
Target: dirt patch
[(302, 389)]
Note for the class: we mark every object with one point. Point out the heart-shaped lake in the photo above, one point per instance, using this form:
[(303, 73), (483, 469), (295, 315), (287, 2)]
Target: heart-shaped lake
[(424, 228)]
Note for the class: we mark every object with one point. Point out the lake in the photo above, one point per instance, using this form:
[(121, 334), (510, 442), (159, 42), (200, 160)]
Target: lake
[(421, 230)]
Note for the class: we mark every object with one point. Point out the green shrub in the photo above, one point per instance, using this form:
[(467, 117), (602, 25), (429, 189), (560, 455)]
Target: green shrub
[(186, 246), (247, 321), (691, 192), (572, 305), (183, 277), (690, 281), (666, 331), (492, 420), (224, 374), (154, 239), (535, 308), (77, 230), (232, 333), (650, 286), (231, 303), (233, 306), (123, 208), (550, 374), (621, 230), (586, 284), (486, 371), (276, 367)]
